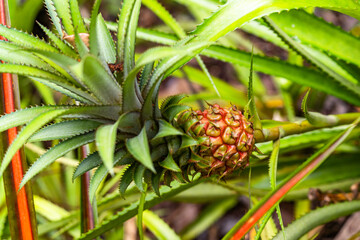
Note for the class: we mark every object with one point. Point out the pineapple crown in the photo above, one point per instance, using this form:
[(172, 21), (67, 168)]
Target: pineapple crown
[(113, 105)]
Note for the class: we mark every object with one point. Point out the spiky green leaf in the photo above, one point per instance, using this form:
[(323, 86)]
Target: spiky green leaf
[(25, 134), (60, 44), (60, 63), (105, 143), (158, 226), (25, 39), (306, 54), (50, 79), (126, 179), (12, 53), (77, 20), (123, 27), (81, 47), (128, 212), (54, 153), (105, 41), (63, 130), (102, 171), (98, 79), (171, 112), (139, 176), (54, 16), (165, 16), (139, 149), (26, 115), (93, 39), (130, 122), (170, 164), (63, 10), (251, 99), (68, 90), (172, 100), (166, 129), (318, 217)]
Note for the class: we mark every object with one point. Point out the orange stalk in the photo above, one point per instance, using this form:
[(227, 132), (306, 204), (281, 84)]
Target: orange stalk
[(271, 199), (25, 223), (87, 213)]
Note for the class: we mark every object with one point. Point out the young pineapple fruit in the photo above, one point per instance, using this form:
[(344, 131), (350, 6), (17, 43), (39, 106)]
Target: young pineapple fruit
[(115, 108), (225, 137)]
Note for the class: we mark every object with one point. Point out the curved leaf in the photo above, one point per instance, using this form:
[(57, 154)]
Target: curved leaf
[(52, 80), (165, 16), (318, 217), (315, 118), (233, 14), (323, 35), (60, 62), (301, 75), (132, 96), (91, 161), (297, 47), (158, 227), (164, 66)]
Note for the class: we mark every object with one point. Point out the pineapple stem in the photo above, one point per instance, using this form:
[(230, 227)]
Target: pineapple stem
[(274, 133)]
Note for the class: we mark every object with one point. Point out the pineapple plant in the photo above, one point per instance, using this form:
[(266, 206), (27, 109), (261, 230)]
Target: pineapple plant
[(115, 107), (113, 104)]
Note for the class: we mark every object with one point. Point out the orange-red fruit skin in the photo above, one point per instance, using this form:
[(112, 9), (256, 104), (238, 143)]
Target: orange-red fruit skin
[(228, 139)]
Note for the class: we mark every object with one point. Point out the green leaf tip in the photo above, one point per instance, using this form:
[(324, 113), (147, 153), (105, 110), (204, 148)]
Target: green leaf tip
[(252, 107), (105, 143), (139, 148), (315, 118)]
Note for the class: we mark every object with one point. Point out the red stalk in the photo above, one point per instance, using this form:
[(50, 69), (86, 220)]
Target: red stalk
[(269, 201), (87, 214), (274, 199), (17, 163)]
